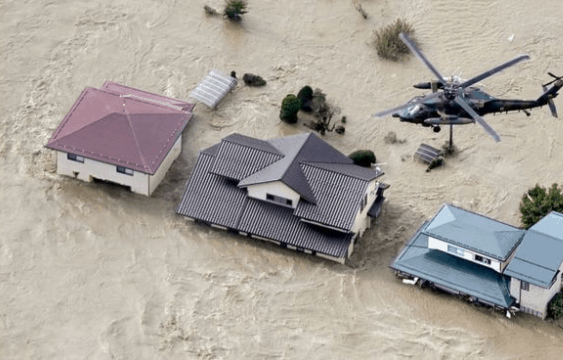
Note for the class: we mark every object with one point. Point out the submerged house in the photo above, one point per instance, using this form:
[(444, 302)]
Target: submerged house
[(296, 191), (122, 135), (491, 262)]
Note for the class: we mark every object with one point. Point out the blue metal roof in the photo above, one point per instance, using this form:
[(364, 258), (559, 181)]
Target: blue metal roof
[(551, 225), (452, 272), (540, 254), (475, 232)]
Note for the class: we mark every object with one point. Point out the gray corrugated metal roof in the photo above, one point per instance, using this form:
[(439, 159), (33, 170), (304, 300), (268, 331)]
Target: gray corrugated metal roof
[(279, 223), (237, 160), (475, 232), (338, 197), (452, 272), (211, 198), (285, 169), (215, 199)]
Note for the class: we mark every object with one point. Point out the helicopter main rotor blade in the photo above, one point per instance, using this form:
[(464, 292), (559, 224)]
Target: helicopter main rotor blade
[(404, 106), (465, 106), (493, 71), (421, 56)]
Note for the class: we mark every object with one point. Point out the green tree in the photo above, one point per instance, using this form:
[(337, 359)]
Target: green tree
[(289, 108), (363, 157), (555, 308), (538, 202), (234, 9)]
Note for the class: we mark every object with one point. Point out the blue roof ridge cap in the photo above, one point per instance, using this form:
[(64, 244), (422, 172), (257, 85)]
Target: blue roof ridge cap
[(530, 230), (538, 265), (272, 150), (485, 216)]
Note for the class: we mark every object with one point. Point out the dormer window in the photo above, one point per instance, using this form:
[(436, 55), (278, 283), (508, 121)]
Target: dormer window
[(75, 157), (279, 199), (482, 259)]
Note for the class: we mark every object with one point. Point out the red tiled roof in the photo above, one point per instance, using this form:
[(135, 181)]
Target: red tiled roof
[(122, 126)]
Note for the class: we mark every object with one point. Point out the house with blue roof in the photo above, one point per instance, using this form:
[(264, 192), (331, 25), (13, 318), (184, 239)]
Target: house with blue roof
[(296, 191), (491, 262)]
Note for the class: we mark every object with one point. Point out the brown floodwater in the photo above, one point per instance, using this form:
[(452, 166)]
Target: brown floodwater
[(91, 271)]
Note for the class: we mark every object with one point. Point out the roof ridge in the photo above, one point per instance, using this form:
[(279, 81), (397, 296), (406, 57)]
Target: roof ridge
[(538, 265), (279, 153), (312, 163), (484, 216), (126, 112), (295, 157), (68, 116)]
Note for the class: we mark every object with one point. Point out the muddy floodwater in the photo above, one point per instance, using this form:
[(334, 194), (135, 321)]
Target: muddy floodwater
[(91, 271)]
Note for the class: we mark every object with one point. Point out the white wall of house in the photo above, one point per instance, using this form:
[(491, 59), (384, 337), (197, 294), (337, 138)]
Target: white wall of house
[(362, 220), (276, 188), (437, 244), (154, 180), (535, 298), (515, 289), (139, 182)]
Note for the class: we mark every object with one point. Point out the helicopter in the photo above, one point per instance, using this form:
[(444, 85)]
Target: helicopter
[(457, 102)]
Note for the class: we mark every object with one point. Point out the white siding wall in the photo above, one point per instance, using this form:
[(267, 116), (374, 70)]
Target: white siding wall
[(276, 188), (155, 179), (139, 182), (515, 289), (362, 221), (437, 244)]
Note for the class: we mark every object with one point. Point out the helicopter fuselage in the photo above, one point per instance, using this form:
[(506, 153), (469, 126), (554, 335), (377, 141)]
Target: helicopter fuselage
[(444, 111)]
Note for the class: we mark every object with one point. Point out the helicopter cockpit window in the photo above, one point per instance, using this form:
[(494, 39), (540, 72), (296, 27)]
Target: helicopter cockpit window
[(414, 109)]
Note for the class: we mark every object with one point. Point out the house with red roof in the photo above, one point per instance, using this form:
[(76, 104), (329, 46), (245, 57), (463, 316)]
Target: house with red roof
[(122, 135)]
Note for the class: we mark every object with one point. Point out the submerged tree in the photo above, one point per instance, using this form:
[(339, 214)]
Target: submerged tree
[(234, 9), (305, 95), (363, 157), (289, 108), (388, 43), (538, 202), (253, 80), (555, 307)]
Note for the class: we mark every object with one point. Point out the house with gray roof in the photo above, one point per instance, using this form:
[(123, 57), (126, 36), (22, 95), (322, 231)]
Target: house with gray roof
[(297, 191), (122, 135), (491, 262)]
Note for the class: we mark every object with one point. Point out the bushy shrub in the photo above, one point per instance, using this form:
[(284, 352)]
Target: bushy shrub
[(234, 9), (555, 308), (305, 95), (289, 108), (363, 157), (253, 80), (538, 202), (388, 44)]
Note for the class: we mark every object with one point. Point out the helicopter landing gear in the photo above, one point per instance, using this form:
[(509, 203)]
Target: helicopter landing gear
[(436, 129)]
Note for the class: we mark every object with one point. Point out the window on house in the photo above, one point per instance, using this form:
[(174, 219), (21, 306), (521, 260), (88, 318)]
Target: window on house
[(455, 250), (525, 286), (75, 157), (482, 259), (124, 170), (279, 199), (364, 202)]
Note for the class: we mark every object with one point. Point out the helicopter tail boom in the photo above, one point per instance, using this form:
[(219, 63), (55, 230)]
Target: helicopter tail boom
[(549, 94)]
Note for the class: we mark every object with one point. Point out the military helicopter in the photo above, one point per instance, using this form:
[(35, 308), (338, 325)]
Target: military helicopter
[(457, 102)]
